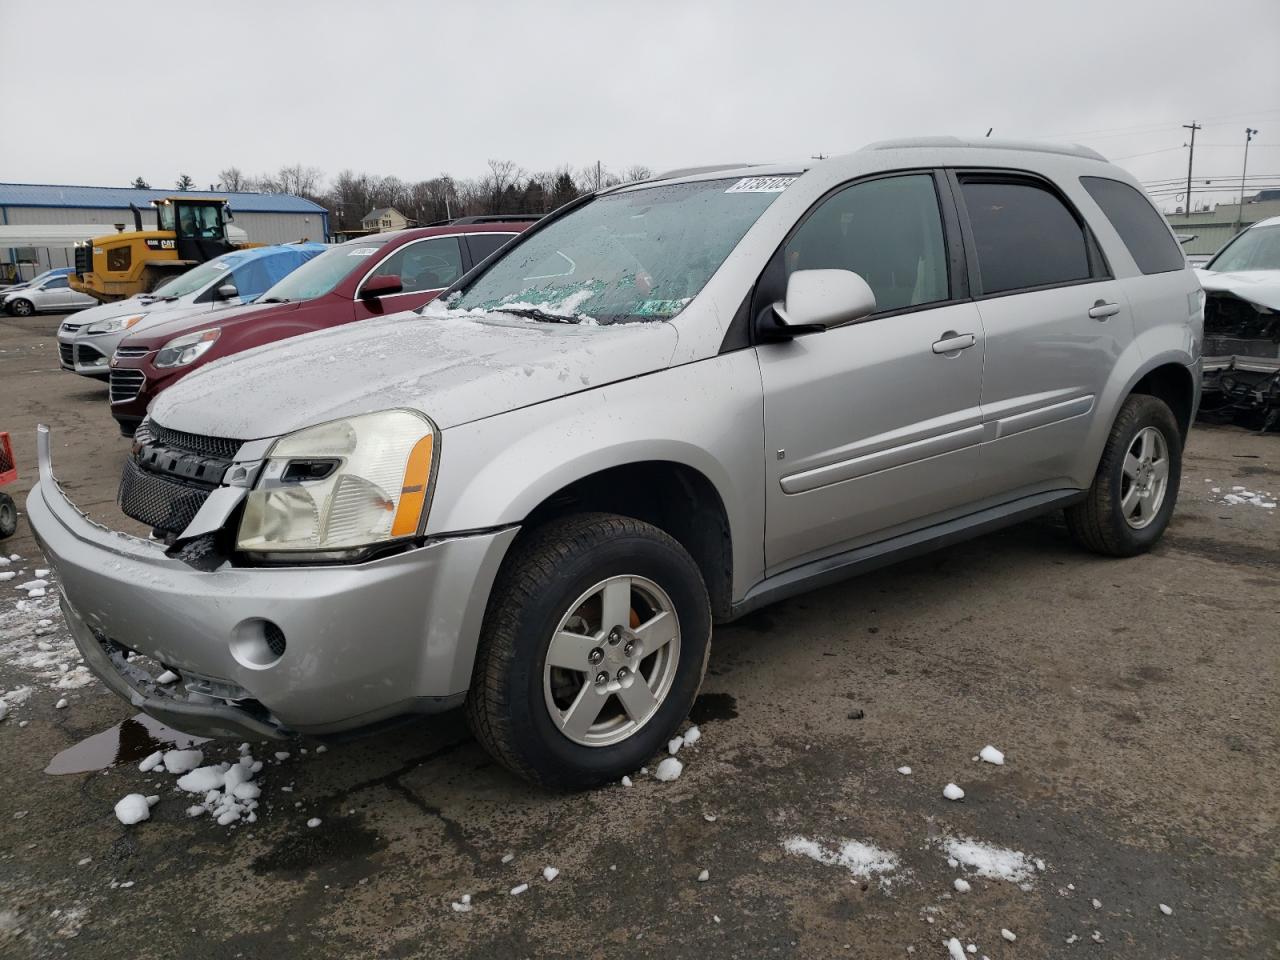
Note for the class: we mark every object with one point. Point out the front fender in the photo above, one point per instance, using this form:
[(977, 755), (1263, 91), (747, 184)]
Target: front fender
[(707, 416)]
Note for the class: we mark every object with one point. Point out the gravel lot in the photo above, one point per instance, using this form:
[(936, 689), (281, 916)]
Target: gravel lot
[(1136, 703)]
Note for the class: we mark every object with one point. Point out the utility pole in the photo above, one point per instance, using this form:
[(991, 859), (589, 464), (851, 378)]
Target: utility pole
[(1248, 135), (1193, 127)]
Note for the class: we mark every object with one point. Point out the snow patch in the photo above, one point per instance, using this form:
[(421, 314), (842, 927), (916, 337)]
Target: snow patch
[(952, 792), (862, 860), (989, 860), (132, 809)]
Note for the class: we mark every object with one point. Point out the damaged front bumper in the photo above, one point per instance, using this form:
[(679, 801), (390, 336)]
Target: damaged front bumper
[(1241, 359), (358, 643)]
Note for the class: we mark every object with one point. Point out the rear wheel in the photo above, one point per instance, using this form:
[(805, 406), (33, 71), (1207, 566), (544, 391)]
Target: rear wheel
[(8, 516), (22, 308), (594, 646), (1136, 486)]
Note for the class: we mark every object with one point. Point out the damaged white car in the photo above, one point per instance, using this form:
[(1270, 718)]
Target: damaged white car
[(1242, 327)]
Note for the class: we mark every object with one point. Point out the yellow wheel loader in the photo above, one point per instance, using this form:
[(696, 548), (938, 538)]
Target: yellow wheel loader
[(189, 231)]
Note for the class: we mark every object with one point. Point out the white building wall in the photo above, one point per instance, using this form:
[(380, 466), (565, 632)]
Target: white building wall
[(261, 227)]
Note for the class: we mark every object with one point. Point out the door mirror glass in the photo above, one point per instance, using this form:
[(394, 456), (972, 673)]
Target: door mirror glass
[(819, 299), (380, 286), (228, 291)]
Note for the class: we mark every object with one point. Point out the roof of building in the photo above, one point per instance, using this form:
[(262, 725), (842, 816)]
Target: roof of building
[(379, 213), (62, 195)]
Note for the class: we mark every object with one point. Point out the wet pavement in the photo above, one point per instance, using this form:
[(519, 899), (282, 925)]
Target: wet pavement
[(1136, 703)]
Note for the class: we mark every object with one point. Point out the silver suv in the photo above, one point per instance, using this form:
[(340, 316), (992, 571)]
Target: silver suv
[(662, 407)]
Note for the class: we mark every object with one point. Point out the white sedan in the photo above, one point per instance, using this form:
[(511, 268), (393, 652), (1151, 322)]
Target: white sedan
[(52, 294)]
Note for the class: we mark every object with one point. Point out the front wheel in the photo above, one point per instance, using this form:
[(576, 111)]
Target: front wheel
[(595, 642), (1136, 486), (22, 308), (8, 516)]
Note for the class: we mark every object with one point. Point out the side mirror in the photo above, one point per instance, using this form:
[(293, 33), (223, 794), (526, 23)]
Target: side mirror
[(380, 286), (228, 291), (820, 299)]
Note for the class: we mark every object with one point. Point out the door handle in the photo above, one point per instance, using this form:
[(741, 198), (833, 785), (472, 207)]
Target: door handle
[(952, 342), (1101, 310)]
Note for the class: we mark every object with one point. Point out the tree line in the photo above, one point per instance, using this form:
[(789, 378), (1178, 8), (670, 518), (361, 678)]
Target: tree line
[(505, 187)]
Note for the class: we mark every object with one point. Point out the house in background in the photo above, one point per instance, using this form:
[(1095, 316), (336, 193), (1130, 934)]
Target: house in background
[(384, 219)]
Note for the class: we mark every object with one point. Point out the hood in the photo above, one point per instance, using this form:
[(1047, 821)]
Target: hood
[(454, 369), (1257, 286), (125, 308), (155, 332)]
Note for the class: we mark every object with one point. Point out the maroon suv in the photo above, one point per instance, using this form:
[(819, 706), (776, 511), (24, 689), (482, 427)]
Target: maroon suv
[(367, 277)]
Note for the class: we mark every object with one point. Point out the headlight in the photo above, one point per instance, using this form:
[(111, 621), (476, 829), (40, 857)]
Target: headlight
[(336, 488), (184, 350), (112, 324)]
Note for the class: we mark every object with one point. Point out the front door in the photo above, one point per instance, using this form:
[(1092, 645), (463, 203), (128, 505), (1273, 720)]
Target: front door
[(872, 428), (425, 267)]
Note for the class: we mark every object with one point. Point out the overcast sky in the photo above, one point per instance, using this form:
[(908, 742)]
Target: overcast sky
[(99, 93)]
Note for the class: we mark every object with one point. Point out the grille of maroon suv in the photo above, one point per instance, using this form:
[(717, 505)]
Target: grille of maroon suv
[(130, 352), (125, 384)]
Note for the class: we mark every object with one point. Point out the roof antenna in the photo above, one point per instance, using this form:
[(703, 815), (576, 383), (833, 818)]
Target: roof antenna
[(989, 129)]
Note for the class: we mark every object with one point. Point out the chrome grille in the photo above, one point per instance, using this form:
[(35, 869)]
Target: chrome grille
[(223, 447), (158, 501), (126, 384), (131, 352), (66, 353)]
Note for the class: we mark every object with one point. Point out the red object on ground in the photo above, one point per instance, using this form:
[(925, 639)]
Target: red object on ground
[(8, 466)]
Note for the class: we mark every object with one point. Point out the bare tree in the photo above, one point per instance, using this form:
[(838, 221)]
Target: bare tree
[(233, 180), (637, 171)]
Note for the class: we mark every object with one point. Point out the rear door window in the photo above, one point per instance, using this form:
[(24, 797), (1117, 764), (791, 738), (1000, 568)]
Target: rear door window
[(1024, 235), (482, 245), (424, 265), (1142, 229)]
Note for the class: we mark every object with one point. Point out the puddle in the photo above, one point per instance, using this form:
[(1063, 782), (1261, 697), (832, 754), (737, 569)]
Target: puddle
[(713, 706), (127, 742)]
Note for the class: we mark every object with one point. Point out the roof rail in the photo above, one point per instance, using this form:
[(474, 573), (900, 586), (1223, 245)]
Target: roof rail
[(694, 171), (494, 218), (1030, 146)]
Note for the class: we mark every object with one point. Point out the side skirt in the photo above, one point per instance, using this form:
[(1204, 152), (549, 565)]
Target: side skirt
[(841, 566)]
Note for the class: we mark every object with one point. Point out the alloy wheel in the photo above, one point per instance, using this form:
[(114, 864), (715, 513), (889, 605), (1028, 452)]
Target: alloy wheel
[(612, 661), (1144, 478)]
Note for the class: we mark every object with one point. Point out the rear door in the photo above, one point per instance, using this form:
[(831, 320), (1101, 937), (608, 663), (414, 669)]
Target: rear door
[(1055, 321), (425, 267), (873, 427)]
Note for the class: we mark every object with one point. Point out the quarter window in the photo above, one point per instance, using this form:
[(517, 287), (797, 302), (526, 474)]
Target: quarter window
[(1025, 236), (425, 265), (1142, 229), (889, 231)]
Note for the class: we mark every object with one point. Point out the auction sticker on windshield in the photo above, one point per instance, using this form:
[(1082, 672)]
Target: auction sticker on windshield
[(761, 185)]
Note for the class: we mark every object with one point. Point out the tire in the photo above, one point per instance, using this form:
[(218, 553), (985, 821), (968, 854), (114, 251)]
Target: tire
[(8, 516), (1104, 521), (22, 308), (548, 581)]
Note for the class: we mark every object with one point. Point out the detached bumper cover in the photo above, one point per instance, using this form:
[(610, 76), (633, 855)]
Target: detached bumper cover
[(364, 642)]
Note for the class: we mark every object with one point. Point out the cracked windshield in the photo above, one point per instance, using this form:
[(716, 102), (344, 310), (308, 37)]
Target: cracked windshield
[(633, 256)]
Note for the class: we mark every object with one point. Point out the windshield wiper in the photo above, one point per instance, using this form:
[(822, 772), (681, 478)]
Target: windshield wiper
[(275, 300), (533, 313)]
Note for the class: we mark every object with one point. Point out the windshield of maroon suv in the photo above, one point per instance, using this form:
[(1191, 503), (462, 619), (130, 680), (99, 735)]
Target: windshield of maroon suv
[(640, 254), (317, 277)]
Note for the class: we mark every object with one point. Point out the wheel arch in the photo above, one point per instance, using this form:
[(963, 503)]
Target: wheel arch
[(675, 497), (1173, 383)]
